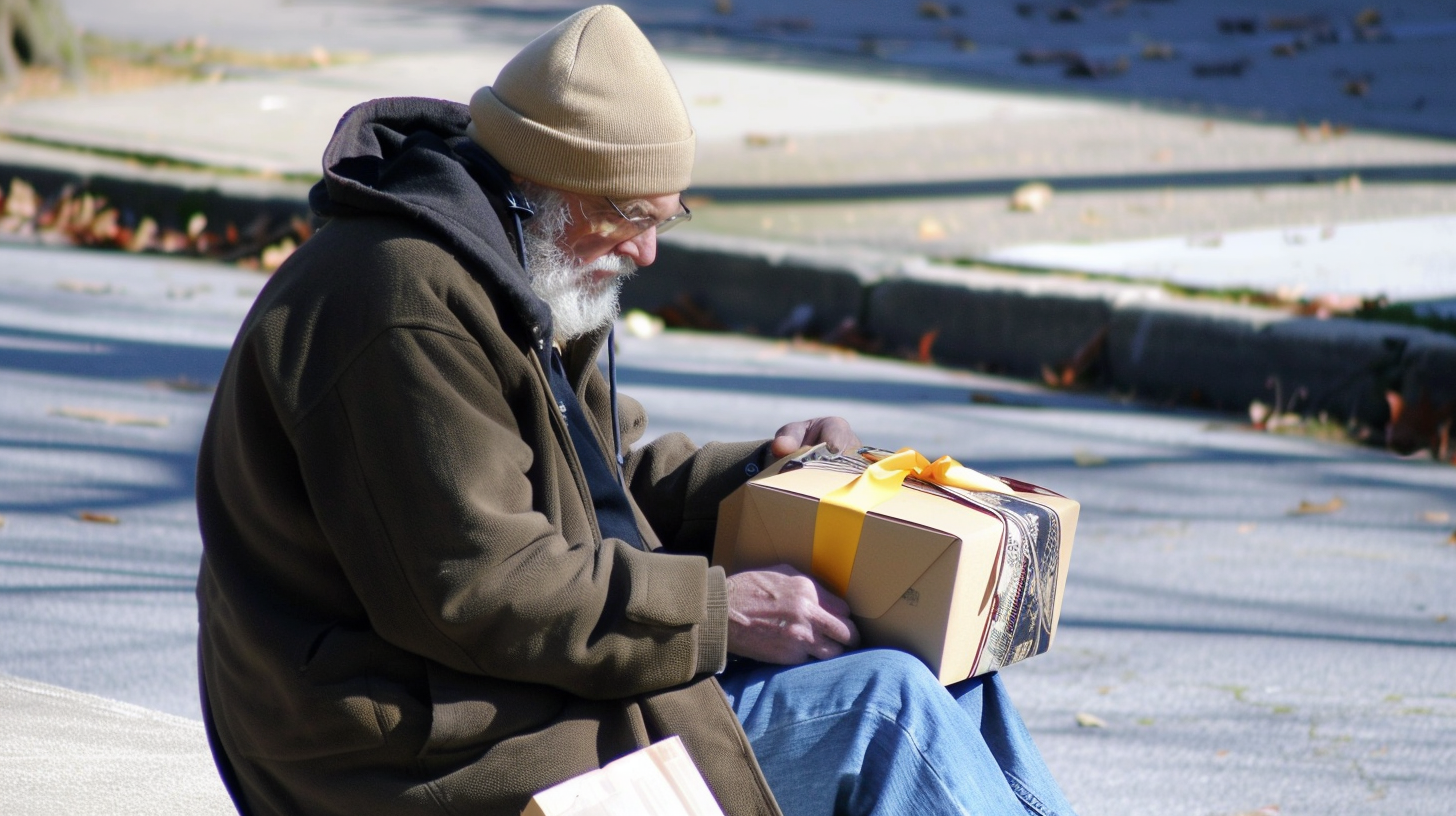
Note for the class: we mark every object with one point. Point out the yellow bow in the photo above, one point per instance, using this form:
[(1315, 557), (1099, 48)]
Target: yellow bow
[(840, 517)]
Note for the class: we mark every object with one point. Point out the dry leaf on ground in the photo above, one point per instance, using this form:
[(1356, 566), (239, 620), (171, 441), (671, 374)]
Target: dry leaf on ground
[(98, 518), (1246, 528), (643, 325), (931, 230), (183, 384), (927, 341), (1086, 458), (1032, 197), (1435, 517), (2, 521), (22, 202), (1452, 539), (1309, 508), (84, 287), (1267, 810), (1086, 720), (110, 417)]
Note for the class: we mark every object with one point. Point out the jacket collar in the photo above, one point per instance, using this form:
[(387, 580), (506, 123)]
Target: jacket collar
[(410, 158)]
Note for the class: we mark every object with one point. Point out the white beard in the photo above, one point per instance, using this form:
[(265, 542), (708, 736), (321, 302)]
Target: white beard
[(579, 306)]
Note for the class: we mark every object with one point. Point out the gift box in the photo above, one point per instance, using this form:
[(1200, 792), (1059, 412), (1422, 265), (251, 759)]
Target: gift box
[(659, 780), (963, 570)]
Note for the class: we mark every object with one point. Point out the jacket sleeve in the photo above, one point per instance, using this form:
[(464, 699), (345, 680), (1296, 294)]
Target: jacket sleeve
[(422, 483), (679, 485)]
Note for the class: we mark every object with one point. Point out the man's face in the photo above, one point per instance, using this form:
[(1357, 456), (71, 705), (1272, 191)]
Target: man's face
[(579, 251), (591, 232)]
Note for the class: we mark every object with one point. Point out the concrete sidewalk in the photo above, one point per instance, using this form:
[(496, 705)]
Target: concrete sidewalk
[(64, 753), (1258, 619)]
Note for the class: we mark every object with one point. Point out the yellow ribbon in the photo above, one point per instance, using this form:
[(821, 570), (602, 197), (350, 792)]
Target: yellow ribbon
[(840, 517)]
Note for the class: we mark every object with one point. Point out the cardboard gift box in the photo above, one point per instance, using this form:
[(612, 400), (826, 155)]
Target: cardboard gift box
[(963, 570), (659, 780)]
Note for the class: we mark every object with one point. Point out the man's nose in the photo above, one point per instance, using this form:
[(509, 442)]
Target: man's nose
[(642, 249)]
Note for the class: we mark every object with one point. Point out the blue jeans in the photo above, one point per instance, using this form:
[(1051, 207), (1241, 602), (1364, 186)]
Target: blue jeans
[(873, 733)]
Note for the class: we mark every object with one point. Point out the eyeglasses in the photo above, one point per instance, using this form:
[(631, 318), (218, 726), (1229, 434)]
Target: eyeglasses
[(625, 227)]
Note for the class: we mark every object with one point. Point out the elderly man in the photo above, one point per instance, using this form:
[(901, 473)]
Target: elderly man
[(432, 582)]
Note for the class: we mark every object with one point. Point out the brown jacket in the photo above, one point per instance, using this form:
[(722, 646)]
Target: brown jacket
[(406, 604)]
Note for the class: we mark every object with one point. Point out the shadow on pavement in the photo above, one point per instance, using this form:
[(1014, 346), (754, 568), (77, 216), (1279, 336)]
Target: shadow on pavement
[(106, 357)]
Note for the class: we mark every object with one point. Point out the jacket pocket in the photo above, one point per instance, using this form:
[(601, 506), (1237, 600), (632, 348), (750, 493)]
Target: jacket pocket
[(469, 712), (326, 705)]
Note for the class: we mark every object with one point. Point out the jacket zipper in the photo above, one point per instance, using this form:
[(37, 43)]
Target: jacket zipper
[(563, 438)]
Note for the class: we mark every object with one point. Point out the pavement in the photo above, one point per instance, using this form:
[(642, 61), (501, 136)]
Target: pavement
[(66, 753), (1242, 653), (1256, 620)]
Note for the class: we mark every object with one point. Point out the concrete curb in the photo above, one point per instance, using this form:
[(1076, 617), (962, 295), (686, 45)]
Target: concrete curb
[(170, 195), (1204, 353), (758, 287), (1157, 346)]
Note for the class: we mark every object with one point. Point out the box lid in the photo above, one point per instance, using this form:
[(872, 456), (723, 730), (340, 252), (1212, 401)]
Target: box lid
[(901, 538)]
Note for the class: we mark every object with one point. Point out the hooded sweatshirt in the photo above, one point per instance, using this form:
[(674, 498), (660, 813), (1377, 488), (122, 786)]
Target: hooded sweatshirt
[(406, 602)]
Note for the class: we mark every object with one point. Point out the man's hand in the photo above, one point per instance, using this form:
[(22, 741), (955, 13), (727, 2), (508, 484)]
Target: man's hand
[(833, 431), (781, 615)]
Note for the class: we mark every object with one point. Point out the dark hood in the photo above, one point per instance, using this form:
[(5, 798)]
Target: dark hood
[(410, 158)]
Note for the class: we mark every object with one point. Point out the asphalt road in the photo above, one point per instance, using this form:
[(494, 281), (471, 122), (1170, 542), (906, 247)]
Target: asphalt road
[(1240, 656)]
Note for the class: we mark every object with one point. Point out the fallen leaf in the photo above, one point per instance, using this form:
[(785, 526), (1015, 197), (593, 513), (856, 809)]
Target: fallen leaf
[(641, 324), (1223, 68), (1245, 529), (931, 230), (931, 10), (1442, 618), (110, 417), (1159, 51), (1086, 720), (1309, 508), (274, 256), (1452, 539), (1032, 197), (1222, 753), (1087, 356), (184, 384), (1065, 14), (98, 518), (1086, 458), (145, 235), (2, 521), (764, 140), (927, 341), (22, 202), (1259, 414), (1267, 810), (1435, 517), (1396, 403), (84, 287)]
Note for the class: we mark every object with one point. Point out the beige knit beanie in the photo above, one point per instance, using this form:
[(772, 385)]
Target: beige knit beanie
[(590, 108)]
